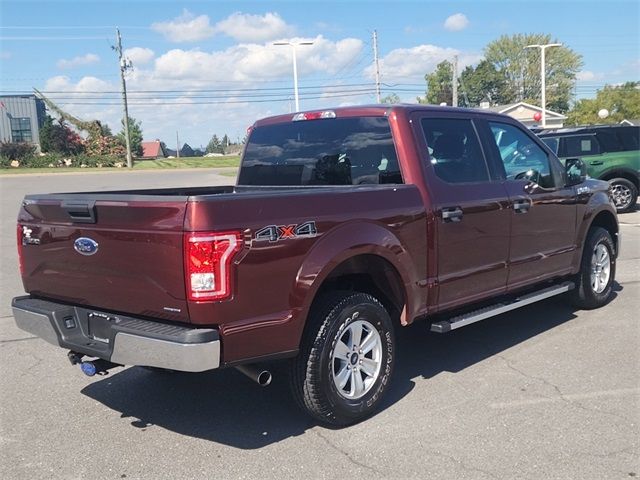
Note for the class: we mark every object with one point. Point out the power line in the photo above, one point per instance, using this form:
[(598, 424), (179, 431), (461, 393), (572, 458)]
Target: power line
[(204, 90), (284, 99)]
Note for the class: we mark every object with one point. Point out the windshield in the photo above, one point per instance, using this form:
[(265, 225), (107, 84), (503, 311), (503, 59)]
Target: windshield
[(337, 151)]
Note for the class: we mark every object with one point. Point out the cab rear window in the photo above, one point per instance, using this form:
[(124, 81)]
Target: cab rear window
[(335, 151)]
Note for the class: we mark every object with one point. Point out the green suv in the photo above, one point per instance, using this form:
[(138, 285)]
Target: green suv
[(611, 152)]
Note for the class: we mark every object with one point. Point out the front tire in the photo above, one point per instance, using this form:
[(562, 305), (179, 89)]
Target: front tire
[(624, 193), (346, 359), (594, 286)]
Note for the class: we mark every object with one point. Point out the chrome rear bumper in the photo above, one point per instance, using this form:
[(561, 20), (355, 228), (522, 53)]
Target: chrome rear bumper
[(118, 338)]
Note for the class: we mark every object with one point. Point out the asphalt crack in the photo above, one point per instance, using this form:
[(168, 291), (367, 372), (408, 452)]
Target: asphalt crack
[(346, 454), (559, 392), (627, 450), (18, 340)]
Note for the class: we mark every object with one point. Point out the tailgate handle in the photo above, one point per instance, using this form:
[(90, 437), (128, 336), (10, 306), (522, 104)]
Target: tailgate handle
[(81, 212)]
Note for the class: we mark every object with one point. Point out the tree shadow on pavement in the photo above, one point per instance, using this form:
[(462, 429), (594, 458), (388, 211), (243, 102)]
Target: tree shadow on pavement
[(226, 407)]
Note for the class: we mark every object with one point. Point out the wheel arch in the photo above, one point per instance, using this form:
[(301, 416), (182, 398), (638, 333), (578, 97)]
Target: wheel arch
[(369, 273), (608, 221), (622, 173), (361, 256), (603, 218)]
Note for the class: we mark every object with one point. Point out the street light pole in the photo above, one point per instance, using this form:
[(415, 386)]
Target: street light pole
[(543, 86), (293, 46)]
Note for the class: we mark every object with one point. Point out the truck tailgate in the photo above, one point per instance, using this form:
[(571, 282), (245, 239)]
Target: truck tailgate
[(105, 251)]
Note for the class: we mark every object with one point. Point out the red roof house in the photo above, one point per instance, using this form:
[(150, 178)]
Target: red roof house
[(152, 150)]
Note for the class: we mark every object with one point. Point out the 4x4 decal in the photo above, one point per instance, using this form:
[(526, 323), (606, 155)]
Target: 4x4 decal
[(273, 233)]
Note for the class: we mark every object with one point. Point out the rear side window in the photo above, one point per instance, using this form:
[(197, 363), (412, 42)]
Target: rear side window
[(336, 151), (609, 141), (579, 145), (629, 137), (454, 150)]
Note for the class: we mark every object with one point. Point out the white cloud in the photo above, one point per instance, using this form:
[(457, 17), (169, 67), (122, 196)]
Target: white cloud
[(5, 55), (588, 75), (78, 61), (86, 84), (185, 28), (224, 73), (254, 28), (404, 64), (456, 22), (139, 55), (253, 63)]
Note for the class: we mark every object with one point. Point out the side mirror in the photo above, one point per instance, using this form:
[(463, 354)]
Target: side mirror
[(575, 171)]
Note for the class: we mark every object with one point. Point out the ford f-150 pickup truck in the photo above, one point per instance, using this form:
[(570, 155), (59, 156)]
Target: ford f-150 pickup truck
[(344, 225)]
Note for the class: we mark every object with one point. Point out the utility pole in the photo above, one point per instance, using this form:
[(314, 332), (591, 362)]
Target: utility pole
[(295, 68), (375, 58), (543, 87), (454, 82), (177, 145), (124, 66)]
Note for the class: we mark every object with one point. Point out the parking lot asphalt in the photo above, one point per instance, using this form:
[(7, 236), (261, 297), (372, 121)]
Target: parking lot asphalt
[(544, 392)]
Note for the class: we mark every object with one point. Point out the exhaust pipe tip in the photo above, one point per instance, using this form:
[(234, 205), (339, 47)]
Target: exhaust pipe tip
[(258, 375), (264, 378)]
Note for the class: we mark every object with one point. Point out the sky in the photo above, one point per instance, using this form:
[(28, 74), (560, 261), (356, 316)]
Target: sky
[(210, 67)]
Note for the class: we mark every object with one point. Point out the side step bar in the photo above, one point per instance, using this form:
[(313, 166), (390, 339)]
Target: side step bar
[(445, 326)]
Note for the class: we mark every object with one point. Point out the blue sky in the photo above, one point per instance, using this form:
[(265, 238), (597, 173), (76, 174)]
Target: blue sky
[(209, 67)]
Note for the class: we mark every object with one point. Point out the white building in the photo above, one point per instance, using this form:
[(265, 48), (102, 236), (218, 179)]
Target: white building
[(525, 112)]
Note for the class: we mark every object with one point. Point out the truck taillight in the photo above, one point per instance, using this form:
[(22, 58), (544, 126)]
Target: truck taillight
[(208, 259), (19, 241)]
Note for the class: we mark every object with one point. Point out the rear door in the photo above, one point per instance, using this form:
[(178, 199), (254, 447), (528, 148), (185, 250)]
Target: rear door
[(586, 147), (542, 209), (113, 252), (473, 220)]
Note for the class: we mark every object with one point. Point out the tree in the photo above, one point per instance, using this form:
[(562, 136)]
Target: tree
[(482, 83), (225, 141), (214, 145), (621, 101), (521, 69), (135, 136), (439, 85), (391, 98), (56, 137)]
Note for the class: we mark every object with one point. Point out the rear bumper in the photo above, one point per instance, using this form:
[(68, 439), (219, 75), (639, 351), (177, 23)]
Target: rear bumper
[(118, 338)]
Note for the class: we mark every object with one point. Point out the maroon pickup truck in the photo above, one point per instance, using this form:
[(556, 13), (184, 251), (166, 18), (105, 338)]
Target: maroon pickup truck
[(344, 225)]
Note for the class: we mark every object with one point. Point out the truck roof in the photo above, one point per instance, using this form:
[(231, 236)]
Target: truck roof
[(379, 110)]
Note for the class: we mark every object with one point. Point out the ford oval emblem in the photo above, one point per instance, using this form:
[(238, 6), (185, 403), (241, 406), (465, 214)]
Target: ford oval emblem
[(85, 246)]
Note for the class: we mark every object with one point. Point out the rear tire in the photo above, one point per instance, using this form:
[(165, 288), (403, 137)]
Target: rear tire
[(594, 286), (346, 359), (625, 194)]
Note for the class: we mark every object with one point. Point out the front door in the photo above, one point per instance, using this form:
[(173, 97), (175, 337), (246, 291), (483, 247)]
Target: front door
[(543, 210), (473, 218)]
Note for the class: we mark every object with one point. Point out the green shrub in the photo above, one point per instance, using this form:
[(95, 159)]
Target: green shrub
[(38, 161), (5, 162), (94, 161), (17, 151)]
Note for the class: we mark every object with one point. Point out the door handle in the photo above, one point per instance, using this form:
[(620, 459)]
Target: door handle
[(451, 214), (597, 162), (521, 206)]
